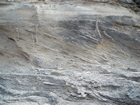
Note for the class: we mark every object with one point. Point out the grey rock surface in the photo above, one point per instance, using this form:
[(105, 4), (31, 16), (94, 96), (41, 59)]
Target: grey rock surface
[(69, 53), (128, 1)]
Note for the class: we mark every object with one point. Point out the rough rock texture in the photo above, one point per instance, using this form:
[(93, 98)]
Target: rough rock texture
[(69, 54)]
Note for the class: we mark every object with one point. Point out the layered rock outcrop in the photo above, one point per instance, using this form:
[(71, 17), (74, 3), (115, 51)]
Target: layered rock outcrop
[(69, 53)]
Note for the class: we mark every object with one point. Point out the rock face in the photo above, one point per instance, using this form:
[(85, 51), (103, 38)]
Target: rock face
[(69, 53)]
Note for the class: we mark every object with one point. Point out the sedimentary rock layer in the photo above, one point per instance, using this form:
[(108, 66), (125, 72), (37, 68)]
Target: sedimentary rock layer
[(69, 54)]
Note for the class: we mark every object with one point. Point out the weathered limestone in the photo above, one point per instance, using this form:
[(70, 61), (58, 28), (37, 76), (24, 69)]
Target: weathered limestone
[(69, 53)]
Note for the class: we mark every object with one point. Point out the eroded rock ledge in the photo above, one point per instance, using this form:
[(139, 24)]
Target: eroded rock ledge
[(69, 54)]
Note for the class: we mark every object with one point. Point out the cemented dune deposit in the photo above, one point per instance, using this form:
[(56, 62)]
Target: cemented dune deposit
[(69, 53)]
